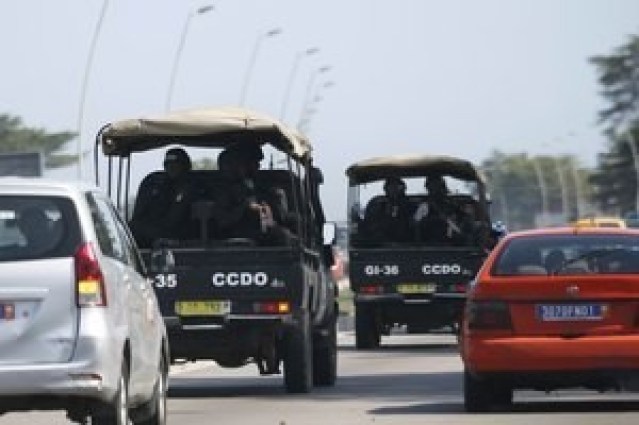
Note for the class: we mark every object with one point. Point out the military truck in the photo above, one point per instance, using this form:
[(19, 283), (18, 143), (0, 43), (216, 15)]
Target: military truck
[(232, 299), (414, 282)]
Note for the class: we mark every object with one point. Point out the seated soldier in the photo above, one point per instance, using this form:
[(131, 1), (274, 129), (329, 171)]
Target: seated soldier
[(163, 210), (244, 211), (37, 231), (389, 219), (436, 220)]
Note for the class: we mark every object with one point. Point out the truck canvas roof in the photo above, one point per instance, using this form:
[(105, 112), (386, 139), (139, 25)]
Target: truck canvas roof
[(208, 127), (411, 166)]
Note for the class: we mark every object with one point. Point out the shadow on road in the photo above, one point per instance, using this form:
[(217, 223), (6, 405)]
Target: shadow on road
[(420, 349), (440, 408), (394, 387)]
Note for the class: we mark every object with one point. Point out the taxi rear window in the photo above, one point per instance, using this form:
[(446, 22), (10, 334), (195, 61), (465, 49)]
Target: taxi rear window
[(568, 255), (37, 227)]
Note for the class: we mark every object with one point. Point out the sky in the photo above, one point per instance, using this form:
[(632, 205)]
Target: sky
[(455, 77)]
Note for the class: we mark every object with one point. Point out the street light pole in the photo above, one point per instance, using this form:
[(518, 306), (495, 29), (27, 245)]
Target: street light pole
[(543, 189), (178, 54), (291, 78), (85, 83), (563, 188), (253, 58), (308, 111), (578, 189), (309, 88)]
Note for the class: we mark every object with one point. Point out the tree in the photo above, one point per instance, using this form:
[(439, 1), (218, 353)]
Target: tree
[(619, 77), (16, 137), (615, 180)]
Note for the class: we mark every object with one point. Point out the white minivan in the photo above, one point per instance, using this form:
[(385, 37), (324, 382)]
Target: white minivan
[(80, 328)]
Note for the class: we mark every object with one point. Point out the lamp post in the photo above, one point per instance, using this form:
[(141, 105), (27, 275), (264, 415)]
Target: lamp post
[(563, 187), (178, 54), (85, 83), (291, 78), (249, 70), (497, 178), (543, 189), (309, 88), (579, 195), (308, 111)]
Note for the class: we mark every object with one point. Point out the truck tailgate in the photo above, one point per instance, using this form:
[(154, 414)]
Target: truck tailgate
[(214, 283), (415, 272)]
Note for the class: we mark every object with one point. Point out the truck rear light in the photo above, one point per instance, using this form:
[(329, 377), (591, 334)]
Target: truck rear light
[(459, 288), (488, 315), (89, 279), (371, 289), (272, 307)]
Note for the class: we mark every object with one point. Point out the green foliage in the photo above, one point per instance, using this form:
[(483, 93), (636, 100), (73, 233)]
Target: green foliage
[(619, 78), (615, 180), (15, 137)]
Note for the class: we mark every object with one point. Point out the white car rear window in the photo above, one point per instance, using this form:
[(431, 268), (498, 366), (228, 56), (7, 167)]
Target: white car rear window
[(36, 227)]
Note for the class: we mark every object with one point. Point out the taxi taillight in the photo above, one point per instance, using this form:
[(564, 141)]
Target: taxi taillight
[(89, 279), (488, 315)]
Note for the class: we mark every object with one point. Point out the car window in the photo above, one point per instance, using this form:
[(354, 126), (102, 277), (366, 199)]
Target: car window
[(35, 227), (569, 255), (106, 229)]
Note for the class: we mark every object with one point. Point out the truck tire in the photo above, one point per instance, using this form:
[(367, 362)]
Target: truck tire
[(325, 355), (367, 334), (298, 361)]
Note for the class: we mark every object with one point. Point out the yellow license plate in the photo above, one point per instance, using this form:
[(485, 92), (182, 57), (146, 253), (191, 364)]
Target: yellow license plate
[(416, 288), (202, 308)]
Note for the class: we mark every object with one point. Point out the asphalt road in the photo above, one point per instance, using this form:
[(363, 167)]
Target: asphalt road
[(410, 380)]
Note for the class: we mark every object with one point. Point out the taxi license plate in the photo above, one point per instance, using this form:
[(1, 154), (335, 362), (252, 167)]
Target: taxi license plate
[(202, 308), (416, 288), (570, 312)]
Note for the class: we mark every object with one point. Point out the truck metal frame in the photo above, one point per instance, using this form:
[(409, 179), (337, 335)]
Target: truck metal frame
[(233, 301), (411, 284)]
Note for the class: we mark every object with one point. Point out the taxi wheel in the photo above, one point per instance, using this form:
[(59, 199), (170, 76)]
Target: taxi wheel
[(477, 396)]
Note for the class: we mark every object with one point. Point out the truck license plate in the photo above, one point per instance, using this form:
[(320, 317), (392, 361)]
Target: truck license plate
[(416, 288), (202, 308)]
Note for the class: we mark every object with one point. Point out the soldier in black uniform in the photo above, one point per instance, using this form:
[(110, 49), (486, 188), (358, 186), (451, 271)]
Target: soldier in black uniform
[(389, 218), (436, 219), (163, 206), (246, 210)]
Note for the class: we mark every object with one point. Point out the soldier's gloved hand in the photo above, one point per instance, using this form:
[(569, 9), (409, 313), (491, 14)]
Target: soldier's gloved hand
[(266, 216), (421, 212)]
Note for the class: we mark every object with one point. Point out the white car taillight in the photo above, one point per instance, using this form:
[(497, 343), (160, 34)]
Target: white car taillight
[(89, 278)]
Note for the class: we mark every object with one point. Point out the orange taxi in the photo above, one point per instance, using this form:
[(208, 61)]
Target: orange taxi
[(551, 309)]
